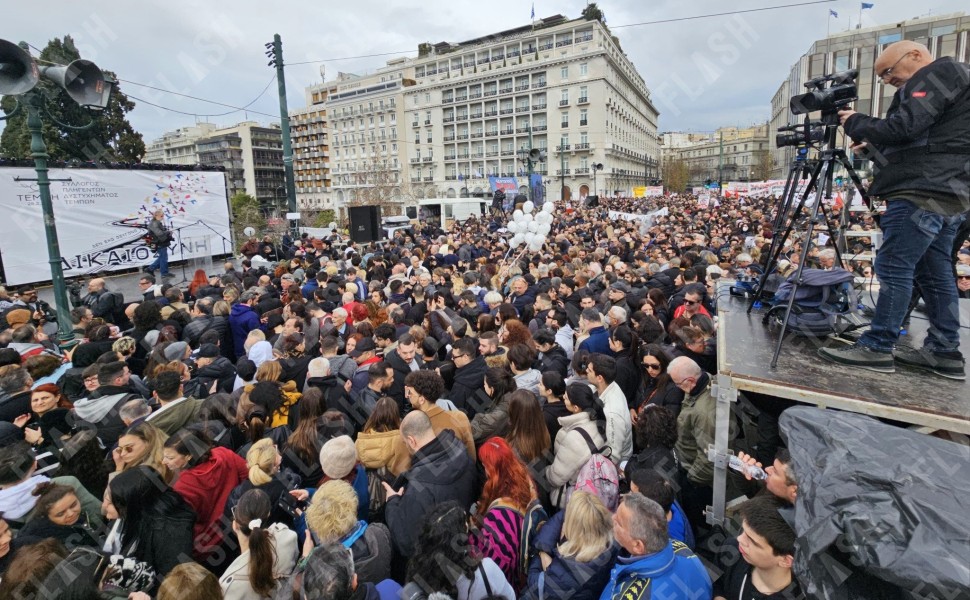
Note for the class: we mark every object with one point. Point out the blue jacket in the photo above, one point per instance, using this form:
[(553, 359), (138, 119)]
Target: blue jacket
[(242, 320), (678, 528), (308, 289), (674, 573), (598, 341)]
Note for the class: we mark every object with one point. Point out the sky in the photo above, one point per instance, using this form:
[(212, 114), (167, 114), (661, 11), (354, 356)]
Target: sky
[(703, 73)]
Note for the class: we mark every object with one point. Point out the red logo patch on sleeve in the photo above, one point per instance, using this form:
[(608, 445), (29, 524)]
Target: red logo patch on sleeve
[(919, 94)]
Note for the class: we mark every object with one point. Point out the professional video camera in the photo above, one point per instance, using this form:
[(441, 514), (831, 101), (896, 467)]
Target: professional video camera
[(841, 91), (800, 134)]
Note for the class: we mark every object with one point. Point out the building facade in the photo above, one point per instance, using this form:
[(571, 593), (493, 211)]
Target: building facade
[(178, 147), (729, 154), (440, 124), (309, 131), (944, 35), (252, 156)]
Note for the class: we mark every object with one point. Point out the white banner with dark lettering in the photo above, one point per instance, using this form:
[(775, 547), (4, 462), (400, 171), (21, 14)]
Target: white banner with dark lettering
[(102, 217)]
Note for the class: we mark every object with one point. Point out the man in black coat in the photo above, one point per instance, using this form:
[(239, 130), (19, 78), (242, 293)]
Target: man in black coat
[(201, 313), (552, 356), (403, 360), (441, 470), (469, 375)]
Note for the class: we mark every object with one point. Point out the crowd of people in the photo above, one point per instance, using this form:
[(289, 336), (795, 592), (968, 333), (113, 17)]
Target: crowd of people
[(441, 414)]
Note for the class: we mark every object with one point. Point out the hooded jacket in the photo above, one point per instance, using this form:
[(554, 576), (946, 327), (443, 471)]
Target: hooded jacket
[(440, 471), (468, 380), (242, 320), (100, 410), (528, 380), (206, 487), (571, 451), (555, 360), (175, 415), (401, 370), (337, 398), (378, 449), (674, 571), (493, 421), (221, 370)]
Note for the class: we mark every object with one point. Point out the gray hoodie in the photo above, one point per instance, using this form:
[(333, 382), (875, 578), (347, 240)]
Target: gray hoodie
[(93, 410), (528, 380)]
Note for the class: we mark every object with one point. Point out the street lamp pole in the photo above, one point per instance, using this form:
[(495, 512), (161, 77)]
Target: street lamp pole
[(596, 167)]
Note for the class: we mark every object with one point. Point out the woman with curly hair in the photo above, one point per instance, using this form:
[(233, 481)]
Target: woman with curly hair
[(506, 496), (445, 561), (516, 332), (655, 434)]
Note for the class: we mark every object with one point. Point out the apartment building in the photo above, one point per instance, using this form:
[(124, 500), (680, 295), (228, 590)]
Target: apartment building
[(178, 147), (944, 35), (252, 156), (309, 131), (728, 154), (441, 123)]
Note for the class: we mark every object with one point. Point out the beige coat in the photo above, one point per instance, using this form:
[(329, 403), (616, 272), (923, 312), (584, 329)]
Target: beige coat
[(235, 581)]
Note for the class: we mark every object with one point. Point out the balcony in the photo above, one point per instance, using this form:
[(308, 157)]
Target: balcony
[(427, 121), (478, 155), (463, 117), (491, 133), (414, 124), (450, 119), (415, 180), (507, 90), (540, 128), (583, 122), (491, 113), (513, 54), (584, 38), (564, 102), (529, 50), (449, 138), (564, 125), (484, 60), (522, 88), (521, 109), (415, 160), (497, 57), (506, 111), (462, 136), (491, 154), (463, 156), (451, 177), (562, 171), (429, 178), (489, 93), (547, 46), (538, 85), (451, 157), (582, 170), (583, 100), (475, 96), (461, 98), (562, 147), (476, 116), (447, 100), (582, 146), (508, 152), (427, 159), (477, 135), (522, 129), (508, 131), (539, 106), (562, 43)]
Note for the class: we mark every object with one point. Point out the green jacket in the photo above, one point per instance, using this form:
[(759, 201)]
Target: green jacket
[(695, 432), (177, 416)]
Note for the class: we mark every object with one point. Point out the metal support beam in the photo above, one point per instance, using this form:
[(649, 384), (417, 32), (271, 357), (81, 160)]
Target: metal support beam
[(726, 395)]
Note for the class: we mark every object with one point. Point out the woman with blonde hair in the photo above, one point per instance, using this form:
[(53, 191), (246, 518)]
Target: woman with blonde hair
[(189, 581), (141, 444), (576, 551), (263, 460)]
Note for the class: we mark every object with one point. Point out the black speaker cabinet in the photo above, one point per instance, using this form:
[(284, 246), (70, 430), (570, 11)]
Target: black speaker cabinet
[(592, 201), (365, 223)]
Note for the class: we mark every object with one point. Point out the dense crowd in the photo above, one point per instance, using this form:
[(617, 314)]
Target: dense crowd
[(440, 412)]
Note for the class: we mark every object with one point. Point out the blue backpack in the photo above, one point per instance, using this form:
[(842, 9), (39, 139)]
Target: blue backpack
[(825, 303)]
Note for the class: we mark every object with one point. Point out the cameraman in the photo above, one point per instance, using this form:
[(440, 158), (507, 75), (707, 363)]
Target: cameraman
[(921, 161)]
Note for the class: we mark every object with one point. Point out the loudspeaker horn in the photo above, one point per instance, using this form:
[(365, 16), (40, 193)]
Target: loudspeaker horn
[(83, 81), (18, 71), (535, 155)]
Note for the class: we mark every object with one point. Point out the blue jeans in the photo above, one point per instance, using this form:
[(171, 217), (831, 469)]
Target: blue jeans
[(161, 262), (916, 245)]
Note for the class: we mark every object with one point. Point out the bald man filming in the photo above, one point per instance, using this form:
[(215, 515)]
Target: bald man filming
[(921, 160)]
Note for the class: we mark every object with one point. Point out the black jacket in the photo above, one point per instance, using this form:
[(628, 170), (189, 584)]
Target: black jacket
[(221, 370), (554, 360), (194, 330), (226, 344), (401, 370), (336, 398), (14, 406), (71, 536), (468, 380), (440, 471), (924, 142), (628, 378), (164, 539), (670, 397)]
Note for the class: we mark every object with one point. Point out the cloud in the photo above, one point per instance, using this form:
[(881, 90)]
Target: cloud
[(702, 73)]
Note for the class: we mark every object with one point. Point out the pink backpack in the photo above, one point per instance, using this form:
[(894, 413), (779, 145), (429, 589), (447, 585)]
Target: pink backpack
[(598, 476)]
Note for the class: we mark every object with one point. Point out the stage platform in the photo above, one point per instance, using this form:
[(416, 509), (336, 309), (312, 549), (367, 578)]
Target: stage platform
[(745, 348), (927, 402)]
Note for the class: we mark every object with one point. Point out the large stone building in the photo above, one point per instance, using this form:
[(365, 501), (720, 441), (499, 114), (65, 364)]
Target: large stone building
[(311, 149), (178, 147), (252, 156), (439, 124), (944, 35), (729, 154)]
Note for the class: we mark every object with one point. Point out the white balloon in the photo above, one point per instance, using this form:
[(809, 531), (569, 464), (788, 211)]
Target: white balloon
[(528, 218), (517, 240), (549, 207), (529, 237), (544, 217), (533, 226), (517, 215), (528, 206), (535, 246), (513, 227), (544, 228)]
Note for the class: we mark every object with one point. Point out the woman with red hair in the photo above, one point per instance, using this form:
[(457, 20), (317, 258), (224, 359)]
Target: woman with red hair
[(505, 499), (199, 280), (516, 332), (48, 416), (359, 313)]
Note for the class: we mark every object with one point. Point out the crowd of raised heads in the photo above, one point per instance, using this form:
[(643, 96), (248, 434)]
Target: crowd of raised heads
[(440, 413)]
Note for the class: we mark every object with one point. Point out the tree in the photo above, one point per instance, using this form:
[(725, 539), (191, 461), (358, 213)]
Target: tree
[(592, 12), (245, 213), (764, 164), (382, 187), (111, 139), (325, 217), (676, 175)]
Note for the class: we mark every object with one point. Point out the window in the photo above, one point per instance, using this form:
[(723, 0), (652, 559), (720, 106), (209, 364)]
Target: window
[(583, 138), (889, 38), (565, 119), (564, 72), (944, 29), (427, 98), (582, 116), (583, 69)]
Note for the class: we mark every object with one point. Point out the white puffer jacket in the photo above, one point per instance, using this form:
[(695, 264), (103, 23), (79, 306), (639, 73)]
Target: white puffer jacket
[(572, 452)]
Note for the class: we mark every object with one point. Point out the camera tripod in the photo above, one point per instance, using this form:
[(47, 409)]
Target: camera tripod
[(820, 183)]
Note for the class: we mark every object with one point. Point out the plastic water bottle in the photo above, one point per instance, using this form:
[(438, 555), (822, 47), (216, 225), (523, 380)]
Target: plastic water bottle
[(751, 471)]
